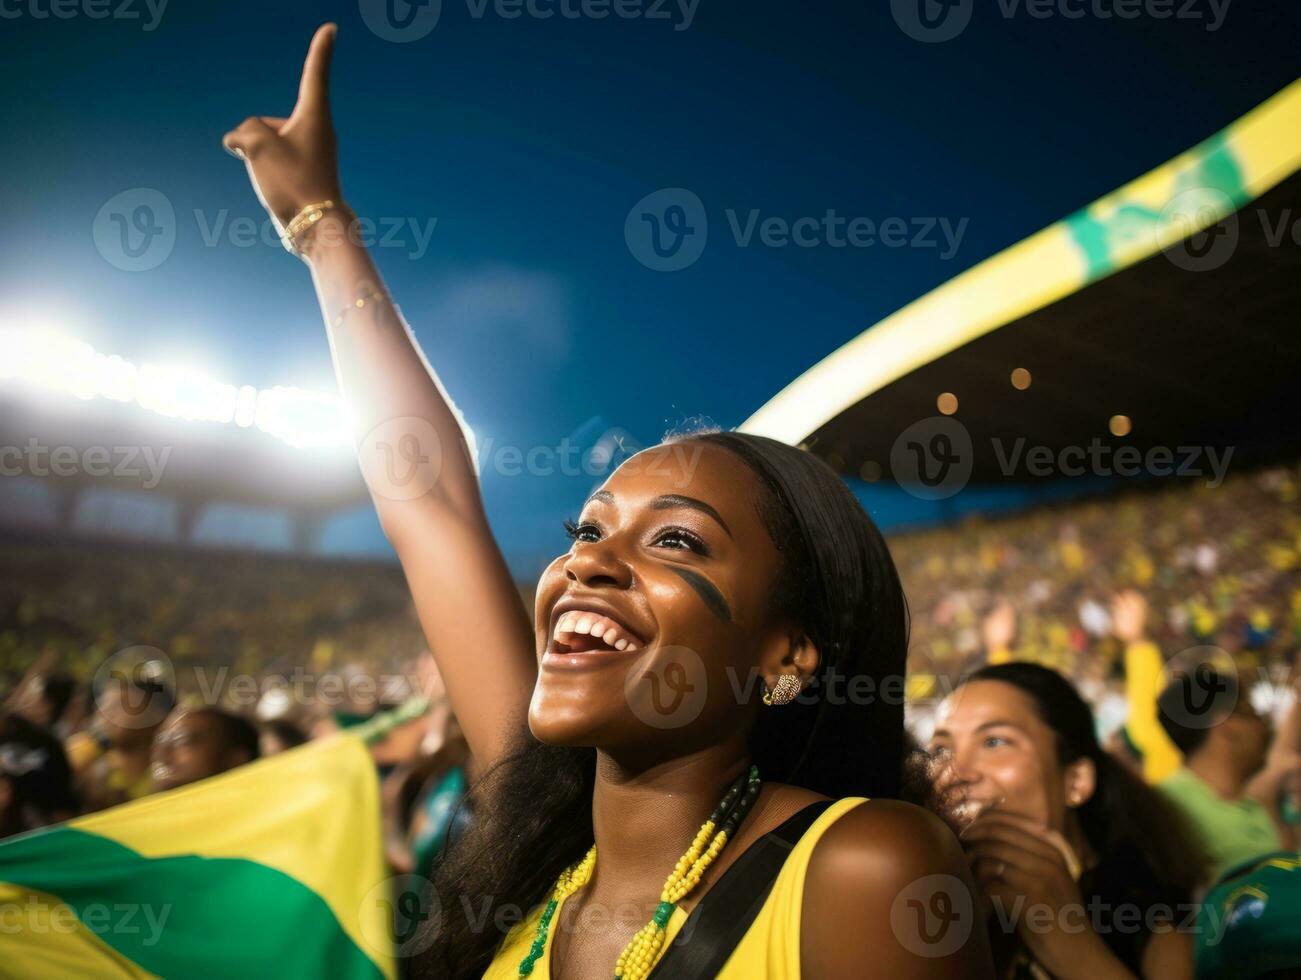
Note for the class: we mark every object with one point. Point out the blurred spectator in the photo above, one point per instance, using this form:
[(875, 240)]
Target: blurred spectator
[(254, 613), (1157, 755), (1051, 822), (423, 795), (44, 699), (111, 758), (279, 735), (199, 743), (1225, 788), (35, 779), (1211, 565)]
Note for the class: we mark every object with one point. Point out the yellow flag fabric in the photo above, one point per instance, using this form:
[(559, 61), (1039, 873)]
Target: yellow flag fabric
[(275, 869)]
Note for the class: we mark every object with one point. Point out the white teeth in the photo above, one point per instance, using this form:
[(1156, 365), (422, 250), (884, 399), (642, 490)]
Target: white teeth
[(599, 627)]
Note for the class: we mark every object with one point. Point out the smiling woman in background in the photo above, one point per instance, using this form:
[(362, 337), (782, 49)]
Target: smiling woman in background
[(646, 737), (1084, 870)]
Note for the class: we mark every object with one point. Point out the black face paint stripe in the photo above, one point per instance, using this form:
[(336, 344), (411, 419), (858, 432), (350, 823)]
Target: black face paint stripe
[(707, 591)]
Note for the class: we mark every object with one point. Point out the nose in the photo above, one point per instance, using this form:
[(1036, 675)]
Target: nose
[(596, 564), (961, 772)]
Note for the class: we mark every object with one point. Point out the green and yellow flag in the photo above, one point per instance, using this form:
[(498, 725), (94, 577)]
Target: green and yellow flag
[(275, 869)]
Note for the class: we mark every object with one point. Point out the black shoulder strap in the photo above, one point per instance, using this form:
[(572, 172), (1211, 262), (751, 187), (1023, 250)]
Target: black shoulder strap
[(725, 913)]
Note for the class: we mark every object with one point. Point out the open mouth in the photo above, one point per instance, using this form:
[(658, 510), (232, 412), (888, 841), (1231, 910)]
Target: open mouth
[(581, 631)]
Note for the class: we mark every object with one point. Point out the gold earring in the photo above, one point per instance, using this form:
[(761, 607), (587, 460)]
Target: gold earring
[(788, 685)]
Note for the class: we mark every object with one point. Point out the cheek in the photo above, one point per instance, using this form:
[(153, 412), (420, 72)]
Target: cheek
[(686, 619), (1019, 778), (551, 585)]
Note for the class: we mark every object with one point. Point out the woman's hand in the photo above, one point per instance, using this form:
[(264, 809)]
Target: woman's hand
[(999, 628), (293, 162), (1023, 869), (1129, 616)]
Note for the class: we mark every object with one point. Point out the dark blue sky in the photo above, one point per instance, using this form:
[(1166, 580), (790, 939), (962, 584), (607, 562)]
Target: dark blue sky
[(530, 139)]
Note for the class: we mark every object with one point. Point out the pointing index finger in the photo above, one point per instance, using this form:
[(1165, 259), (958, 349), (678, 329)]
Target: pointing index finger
[(314, 88)]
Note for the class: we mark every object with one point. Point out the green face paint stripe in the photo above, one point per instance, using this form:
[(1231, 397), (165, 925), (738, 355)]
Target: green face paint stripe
[(188, 909), (707, 591)]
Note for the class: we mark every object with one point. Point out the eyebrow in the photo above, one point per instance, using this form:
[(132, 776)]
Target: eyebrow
[(997, 723), (667, 502), (671, 500)]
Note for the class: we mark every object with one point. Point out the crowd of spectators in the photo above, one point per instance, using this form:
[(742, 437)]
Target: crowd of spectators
[(1082, 630), (1214, 566)]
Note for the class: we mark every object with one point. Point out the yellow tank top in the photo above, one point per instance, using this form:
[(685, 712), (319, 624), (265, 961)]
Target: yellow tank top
[(769, 950)]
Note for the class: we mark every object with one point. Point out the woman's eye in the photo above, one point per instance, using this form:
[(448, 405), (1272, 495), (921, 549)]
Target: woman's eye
[(677, 539), (940, 752), (582, 532), (995, 741)]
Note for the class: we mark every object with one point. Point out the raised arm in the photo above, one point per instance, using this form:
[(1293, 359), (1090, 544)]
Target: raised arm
[(410, 439), (1282, 767)]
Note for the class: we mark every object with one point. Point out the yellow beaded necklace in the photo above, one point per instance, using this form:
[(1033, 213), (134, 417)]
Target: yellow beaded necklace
[(639, 956)]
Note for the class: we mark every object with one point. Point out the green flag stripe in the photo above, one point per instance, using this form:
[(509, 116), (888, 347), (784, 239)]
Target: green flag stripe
[(186, 915)]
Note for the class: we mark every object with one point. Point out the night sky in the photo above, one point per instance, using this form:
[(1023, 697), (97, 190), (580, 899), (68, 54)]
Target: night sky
[(529, 139)]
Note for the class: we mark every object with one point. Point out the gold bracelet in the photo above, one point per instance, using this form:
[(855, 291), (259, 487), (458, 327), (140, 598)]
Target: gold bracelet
[(365, 295), (301, 222)]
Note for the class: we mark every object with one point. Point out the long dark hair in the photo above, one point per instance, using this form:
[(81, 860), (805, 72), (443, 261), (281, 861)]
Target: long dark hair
[(533, 809), (1125, 820)]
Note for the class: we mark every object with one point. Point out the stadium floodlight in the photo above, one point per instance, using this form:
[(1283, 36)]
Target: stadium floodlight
[(304, 419), (47, 360)]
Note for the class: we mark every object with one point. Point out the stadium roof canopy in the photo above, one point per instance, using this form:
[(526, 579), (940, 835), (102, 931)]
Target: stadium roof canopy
[(195, 462), (1172, 302)]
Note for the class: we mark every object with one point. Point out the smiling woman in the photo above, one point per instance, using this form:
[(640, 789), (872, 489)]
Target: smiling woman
[(660, 751), (1084, 871)]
